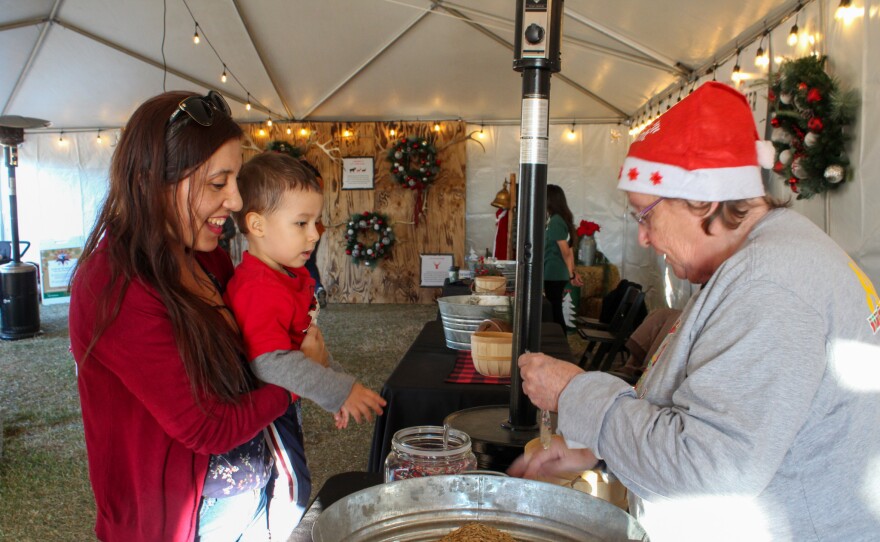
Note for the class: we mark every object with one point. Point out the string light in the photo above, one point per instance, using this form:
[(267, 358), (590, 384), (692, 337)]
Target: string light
[(269, 122), (482, 134), (762, 57), (793, 34), (392, 131), (846, 12), (288, 131), (61, 138), (303, 131), (99, 137), (227, 73), (436, 127), (346, 133), (737, 70), (262, 132), (571, 135)]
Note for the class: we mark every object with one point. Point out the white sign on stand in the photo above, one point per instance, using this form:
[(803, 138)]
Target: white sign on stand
[(435, 269)]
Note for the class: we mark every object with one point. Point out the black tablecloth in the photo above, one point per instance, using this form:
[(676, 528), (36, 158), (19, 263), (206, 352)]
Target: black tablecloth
[(417, 394)]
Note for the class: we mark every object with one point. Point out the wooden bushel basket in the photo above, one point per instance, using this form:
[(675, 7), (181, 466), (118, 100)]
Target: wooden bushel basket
[(491, 352), (490, 284)]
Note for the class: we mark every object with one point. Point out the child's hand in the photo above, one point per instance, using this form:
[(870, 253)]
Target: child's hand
[(362, 403), (313, 346), (341, 419)]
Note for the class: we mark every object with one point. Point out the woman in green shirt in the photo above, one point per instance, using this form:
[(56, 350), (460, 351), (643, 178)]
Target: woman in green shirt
[(558, 256)]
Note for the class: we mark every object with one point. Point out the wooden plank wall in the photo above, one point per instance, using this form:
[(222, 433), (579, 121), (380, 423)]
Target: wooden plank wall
[(441, 226)]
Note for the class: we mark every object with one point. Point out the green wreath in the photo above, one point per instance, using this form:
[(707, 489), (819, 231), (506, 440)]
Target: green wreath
[(362, 252), (810, 116), (414, 162)]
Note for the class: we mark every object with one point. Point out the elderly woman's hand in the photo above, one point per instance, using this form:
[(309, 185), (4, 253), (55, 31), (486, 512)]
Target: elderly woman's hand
[(557, 461), (545, 377)]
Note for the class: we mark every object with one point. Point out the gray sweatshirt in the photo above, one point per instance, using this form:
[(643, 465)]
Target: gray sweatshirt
[(328, 387), (761, 418)]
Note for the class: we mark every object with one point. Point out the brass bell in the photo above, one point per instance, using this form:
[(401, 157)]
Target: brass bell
[(502, 198)]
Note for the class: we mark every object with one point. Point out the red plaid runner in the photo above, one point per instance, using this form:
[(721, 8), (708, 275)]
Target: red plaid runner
[(464, 372)]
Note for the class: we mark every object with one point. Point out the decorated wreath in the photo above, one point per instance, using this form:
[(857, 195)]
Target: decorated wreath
[(365, 222), (414, 162), (810, 117)]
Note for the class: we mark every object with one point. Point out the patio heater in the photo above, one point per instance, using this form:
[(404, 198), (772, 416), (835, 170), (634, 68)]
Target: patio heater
[(499, 433), (19, 295)]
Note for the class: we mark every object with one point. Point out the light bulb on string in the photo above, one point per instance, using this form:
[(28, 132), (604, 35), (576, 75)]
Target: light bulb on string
[(288, 131), (269, 122), (346, 133), (303, 131), (196, 38), (846, 12), (793, 33), (99, 137), (436, 127), (223, 76), (61, 138), (262, 132), (736, 76), (392, 131), (571, 135), (247, 106)]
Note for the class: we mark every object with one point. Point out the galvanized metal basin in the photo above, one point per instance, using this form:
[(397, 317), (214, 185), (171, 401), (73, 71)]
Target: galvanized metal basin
[(426, 509), (462, 314)]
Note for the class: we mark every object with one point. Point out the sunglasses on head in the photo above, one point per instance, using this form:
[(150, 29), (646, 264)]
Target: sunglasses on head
[(201, 108)]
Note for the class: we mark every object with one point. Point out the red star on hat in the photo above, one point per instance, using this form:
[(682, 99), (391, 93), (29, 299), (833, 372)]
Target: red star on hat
[(656, 178), (633, 174)]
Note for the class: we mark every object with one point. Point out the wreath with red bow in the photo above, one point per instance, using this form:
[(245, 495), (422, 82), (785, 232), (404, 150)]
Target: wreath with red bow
[(414, 162), (368, 253)]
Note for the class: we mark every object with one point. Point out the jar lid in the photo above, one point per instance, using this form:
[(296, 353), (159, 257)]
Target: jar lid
[(428, 440)]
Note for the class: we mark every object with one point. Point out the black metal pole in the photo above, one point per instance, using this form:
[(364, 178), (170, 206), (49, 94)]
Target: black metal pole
[(531, 219), (11, 154)]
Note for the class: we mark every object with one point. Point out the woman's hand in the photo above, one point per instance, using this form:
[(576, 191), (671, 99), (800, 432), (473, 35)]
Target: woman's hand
[(576, 280), (544, 378), (557, 461)]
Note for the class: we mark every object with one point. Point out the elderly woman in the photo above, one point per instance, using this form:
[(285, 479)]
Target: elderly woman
[(757, 417)]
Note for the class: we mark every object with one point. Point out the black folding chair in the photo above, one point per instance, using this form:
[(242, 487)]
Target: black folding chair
[(604, 346)]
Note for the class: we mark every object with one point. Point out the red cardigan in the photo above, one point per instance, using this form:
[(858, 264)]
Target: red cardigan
[(148, 442)]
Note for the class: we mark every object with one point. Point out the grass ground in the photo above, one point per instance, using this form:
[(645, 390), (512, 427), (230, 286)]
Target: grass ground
[(44, 487)]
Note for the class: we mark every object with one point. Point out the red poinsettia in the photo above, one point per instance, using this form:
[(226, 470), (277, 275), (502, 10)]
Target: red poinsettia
[(588, 228)]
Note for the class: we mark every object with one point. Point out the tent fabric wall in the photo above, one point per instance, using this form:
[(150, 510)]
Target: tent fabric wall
[(60, 186)]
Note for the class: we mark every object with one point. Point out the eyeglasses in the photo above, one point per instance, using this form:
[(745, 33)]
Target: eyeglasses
[(641, 217), (201, 108)]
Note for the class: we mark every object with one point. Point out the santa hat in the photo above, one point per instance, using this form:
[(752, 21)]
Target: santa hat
[(706, 148)]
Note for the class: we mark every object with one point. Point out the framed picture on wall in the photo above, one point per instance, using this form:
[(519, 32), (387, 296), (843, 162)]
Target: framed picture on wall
[(357, 173), (435, 269)]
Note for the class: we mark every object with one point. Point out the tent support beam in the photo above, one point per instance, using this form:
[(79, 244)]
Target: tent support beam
[(151, 62), (23, 23), (505, 43), (34, 52), (663, 59), (357, 71), (262, 57)]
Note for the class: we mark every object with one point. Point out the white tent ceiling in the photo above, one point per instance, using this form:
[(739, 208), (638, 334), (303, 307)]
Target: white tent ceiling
[(86, 64)]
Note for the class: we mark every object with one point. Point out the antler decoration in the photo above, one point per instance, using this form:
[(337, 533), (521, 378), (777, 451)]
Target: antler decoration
[(461, 139), (329, 151)]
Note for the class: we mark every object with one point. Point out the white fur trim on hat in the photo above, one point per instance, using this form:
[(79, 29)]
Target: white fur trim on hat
[(669, 181), (766, 153)]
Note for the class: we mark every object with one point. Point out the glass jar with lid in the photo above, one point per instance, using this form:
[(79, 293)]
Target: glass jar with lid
[(422, 451)]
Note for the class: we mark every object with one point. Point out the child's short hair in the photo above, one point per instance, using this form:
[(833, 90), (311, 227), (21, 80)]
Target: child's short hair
[(265, 178)]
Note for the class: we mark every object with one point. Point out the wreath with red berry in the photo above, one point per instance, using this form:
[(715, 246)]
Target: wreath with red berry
[(810, 117), (414, 163), (368, 253)]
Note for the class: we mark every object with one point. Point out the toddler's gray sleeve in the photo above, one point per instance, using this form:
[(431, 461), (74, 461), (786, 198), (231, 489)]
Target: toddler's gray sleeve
[(294, 371)]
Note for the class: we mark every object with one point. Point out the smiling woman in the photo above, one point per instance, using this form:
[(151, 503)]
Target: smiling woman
[(168, 406)]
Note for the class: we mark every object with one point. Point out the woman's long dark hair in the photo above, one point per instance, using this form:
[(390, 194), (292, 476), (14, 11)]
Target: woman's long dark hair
[(558, 205), (143, 223)]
